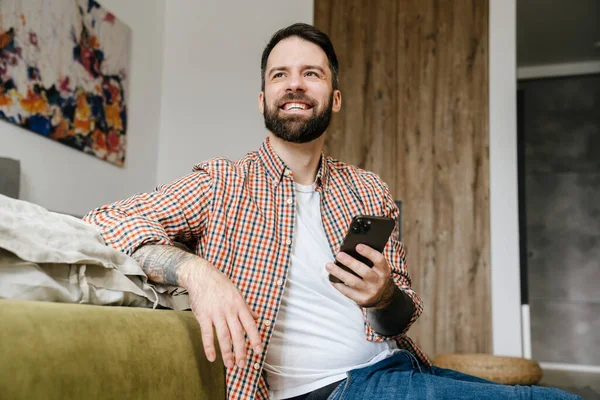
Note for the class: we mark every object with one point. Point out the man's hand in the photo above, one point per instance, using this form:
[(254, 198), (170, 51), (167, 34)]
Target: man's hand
[(374, 288), (215, 301)]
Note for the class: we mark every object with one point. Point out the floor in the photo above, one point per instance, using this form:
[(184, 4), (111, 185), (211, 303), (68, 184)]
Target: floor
[(585, 384)]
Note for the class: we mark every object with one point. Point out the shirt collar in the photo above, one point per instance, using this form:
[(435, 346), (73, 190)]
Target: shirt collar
[(276, 168)]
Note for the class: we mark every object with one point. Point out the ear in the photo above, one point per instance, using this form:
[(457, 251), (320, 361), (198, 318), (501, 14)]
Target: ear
[(261, 104), (337, 101)]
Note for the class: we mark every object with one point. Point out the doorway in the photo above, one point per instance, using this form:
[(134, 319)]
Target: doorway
[(558, 118)]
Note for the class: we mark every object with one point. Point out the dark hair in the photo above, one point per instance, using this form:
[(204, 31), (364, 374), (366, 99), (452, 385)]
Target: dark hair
[(310, 34)]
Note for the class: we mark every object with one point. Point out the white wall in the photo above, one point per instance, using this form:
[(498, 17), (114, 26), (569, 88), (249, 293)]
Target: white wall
[(504, 211), (211, 77), (66, 180)]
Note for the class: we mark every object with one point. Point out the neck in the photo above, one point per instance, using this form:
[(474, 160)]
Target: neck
[(302, 158)]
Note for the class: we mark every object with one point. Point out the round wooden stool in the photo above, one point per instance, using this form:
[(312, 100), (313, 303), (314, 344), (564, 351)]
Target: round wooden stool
[(505, 370)]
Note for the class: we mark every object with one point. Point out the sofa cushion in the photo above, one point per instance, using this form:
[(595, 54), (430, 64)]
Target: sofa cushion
[(73, 351)]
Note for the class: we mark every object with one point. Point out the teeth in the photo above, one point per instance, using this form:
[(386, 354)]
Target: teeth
[(295, 106)]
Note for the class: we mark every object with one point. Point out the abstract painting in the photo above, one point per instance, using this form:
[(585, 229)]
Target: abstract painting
[(64, 73)]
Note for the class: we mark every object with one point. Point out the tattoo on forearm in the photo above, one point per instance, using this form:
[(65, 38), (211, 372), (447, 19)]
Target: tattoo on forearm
[(161, 263)]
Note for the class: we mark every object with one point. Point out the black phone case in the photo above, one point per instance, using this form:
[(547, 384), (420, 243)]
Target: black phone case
[(375, 236)]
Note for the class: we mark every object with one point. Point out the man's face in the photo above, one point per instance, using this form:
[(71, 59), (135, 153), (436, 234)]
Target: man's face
[(298, 98)]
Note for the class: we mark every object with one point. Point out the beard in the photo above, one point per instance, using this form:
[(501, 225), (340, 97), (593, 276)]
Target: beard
[(298, 128)]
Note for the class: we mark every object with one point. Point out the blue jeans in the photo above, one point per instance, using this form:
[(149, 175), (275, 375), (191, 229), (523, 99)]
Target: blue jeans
[(401, 376)]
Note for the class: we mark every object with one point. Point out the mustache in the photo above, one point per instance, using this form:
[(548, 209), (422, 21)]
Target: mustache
[(289, 97)]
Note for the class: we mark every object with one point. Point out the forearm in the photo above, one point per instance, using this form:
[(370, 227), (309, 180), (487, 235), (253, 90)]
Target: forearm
[(394, 315), (164, 264)]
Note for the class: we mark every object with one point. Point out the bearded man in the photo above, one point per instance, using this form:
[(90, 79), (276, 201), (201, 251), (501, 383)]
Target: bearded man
[(263, 234)]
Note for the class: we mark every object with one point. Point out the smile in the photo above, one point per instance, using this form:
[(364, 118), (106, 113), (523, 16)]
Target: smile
[(295, 107)]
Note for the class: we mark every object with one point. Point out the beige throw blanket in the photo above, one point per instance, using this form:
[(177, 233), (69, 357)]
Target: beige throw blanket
[(49, 256)]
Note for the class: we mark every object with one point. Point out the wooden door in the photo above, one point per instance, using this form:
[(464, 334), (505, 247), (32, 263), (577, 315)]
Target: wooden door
[(414, 82)]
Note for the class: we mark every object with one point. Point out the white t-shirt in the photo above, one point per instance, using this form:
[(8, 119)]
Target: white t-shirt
[(319, 334)]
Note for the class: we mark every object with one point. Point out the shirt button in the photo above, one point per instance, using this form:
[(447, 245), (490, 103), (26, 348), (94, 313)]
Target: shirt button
[(289, 201), (279, 282), (256, 366), (288, 241), (267, 323), (287, 172)]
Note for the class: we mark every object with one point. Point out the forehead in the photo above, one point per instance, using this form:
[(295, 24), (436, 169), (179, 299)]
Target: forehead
[(294, 51)]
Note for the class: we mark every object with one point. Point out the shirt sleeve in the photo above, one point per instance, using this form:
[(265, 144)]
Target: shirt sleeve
[(395, 253), (177, 211)]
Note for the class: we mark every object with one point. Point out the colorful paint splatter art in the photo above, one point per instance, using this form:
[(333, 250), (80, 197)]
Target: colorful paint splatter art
[(63, 73)]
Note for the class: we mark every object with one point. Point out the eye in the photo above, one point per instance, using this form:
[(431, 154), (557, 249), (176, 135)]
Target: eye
[(278, 75), (312, 73)]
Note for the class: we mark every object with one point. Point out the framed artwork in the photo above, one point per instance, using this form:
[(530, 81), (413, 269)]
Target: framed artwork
[(64, 73)]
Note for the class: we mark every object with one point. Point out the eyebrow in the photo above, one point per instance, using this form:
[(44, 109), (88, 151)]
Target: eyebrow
[(304, 67)]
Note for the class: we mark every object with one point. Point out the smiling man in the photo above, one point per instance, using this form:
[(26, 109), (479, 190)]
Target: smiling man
[(264, 232)]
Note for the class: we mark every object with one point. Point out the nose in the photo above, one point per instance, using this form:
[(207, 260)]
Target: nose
[(296, 83)]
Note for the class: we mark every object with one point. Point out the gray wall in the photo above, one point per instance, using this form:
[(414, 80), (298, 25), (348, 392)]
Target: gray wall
[(562, 196)]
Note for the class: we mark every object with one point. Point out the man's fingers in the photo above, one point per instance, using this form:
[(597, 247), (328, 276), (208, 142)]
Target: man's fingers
[(352, 294), (375, 256), (208, 339), (239, 341), (359, 268), (346, 277), (224, 341), (249, 324), (358, 297)]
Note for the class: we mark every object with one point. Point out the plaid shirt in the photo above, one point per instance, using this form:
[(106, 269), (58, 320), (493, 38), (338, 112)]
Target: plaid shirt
[(240, 217)]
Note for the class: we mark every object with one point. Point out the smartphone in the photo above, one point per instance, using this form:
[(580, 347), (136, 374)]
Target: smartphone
[(365, 229)]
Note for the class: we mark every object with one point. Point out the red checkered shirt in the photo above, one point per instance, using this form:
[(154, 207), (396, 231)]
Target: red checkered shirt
[(240, 217)]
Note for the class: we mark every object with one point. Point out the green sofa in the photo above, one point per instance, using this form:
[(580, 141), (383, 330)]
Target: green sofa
[(70, 351)]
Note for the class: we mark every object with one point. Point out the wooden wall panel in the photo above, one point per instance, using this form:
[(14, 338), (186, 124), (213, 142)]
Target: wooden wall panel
[(414, 82)]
